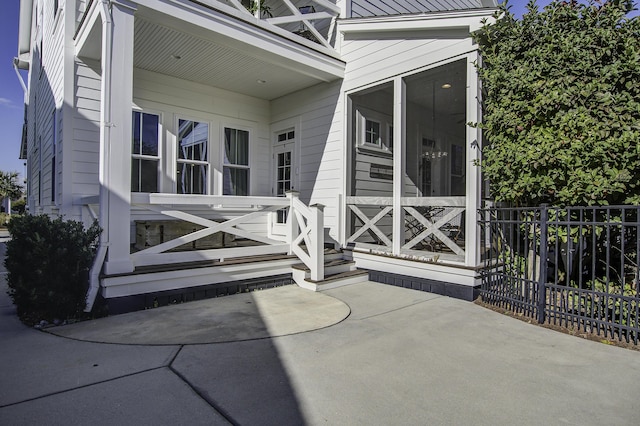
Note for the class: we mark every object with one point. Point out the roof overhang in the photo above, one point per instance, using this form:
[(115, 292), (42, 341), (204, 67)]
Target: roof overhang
[(262, 52), (24, 34)]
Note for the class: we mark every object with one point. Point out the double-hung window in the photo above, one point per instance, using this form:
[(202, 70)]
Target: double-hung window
[(193, 161), (145, 141), (236, 162)]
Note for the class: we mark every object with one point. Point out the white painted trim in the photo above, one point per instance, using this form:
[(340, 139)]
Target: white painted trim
[(460, 19), (399, 161), (231, 203), (433, 271), (473, 172)]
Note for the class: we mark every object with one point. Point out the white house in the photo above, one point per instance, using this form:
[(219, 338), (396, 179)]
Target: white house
[(219, 147)]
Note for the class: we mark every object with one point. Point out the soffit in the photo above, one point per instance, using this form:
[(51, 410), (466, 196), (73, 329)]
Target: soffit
[(213, 62)]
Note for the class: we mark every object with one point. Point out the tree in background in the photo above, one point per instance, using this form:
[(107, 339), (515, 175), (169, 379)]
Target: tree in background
[(561, 95), (9, 186)]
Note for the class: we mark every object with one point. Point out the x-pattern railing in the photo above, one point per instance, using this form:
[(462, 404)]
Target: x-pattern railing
[(370, 224), (286, 12), (245, 209), (427, 220)]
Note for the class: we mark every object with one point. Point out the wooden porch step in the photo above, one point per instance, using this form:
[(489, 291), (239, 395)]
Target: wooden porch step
[(335, 280), (327, 264), (205, 264)]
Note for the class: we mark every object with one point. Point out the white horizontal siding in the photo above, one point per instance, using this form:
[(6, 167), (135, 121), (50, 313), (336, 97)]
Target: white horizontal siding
[(86, 130), (319, 111), (374, 59), (363, 8)]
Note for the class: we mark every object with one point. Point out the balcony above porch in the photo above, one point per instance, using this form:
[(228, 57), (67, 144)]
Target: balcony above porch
[(265, 54)]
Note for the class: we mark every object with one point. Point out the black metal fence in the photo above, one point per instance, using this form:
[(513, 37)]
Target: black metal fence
[(575, 267)]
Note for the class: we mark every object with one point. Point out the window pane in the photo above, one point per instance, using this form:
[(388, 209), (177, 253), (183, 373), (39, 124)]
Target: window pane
[(229, 146), (372, 132), (150, 126), (193, 138), (135, 132), (192, 178), (144, 175), (235, 181), (236, 147), (436, 157)]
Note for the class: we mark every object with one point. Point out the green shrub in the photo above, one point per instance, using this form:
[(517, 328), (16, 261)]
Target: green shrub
[(19, 207), (48, 262), (4, 219)]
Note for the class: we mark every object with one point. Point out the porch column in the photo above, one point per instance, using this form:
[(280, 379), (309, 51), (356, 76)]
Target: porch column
[(115, 132), (399, 162), (474, 178)]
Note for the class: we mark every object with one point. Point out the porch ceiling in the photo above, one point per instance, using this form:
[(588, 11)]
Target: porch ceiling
[(213, 62), (207, 46)]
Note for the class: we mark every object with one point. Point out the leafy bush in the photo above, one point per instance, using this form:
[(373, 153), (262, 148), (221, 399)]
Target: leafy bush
[(48, 261), (19, 206), (4, 219), (562, 104)]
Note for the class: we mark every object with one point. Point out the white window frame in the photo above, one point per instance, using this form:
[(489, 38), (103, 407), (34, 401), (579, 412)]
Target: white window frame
[(178, 160), (156, 158), (248, 166), (364, 115)]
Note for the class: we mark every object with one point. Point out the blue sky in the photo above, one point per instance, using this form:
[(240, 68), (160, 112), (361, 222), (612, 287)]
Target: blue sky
[(11, 95)]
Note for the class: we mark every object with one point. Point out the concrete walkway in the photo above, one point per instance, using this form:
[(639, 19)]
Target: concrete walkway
[(400, 357)]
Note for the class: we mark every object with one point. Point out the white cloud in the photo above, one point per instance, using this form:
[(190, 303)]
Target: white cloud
[(8, 103)]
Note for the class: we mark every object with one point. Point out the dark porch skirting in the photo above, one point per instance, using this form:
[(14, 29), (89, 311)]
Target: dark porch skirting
[(121, 305), (456, 291)]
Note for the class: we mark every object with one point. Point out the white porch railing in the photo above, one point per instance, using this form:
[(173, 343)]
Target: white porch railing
[(247, 218), (312, 20), (431, 225)]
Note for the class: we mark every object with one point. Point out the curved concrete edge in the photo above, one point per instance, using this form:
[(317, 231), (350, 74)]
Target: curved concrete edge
[(259, 314)]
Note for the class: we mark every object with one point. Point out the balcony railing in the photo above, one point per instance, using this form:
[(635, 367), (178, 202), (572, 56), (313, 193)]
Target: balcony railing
[(312, 20)]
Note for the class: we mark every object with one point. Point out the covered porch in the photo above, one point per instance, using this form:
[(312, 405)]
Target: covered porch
[(186, 137)]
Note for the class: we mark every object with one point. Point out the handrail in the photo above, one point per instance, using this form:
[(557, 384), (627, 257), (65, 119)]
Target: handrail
[(306, 224)]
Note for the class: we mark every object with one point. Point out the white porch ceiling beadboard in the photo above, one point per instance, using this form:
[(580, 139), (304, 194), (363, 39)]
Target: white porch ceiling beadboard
[(211, 63)]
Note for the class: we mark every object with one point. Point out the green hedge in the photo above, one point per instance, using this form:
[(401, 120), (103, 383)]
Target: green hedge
[(48, 262)]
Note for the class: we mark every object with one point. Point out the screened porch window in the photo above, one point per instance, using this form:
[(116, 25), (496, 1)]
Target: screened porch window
[(193, 161), (436, 131), (144, 152), (236, 162)]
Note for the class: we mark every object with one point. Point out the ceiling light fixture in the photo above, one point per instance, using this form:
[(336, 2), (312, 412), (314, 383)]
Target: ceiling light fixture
[(446, 86)]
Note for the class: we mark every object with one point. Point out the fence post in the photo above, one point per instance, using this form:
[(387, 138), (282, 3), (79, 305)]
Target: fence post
[(542, 277), (316, 251), (292, 221)]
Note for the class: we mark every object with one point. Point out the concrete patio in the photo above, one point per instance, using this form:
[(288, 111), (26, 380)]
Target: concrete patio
[(364, 354)]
